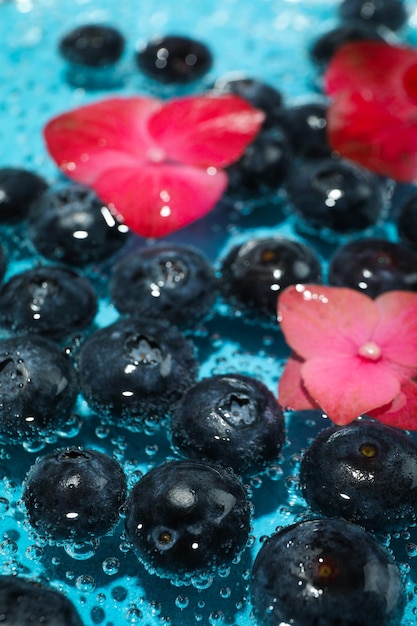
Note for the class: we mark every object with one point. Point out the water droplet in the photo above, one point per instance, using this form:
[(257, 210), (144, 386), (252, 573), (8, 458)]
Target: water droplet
[(81, 551), (216, 617), (111, 566), (134, 616), (225, 592), (4, 506), (34, 553), (181, 602), (85, 583), (8, 547)]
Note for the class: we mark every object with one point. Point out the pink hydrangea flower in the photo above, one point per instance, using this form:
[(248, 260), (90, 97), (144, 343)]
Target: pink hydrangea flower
[(352, 355), (157, 165)]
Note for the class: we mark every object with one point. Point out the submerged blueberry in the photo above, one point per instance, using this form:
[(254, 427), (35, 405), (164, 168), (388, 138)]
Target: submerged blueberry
[(169, 281), (2, 262), (233, 420), (134, 370), (326, 46), (326, 572), (74, 494), (407, 222), (174, 59), (93, 45), (306, 129), (187, 518), (49, 300), (389, 13), (19, 188), (38, 388), (26, 602)]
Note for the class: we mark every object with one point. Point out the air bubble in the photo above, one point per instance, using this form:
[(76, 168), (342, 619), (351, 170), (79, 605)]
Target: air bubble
[(4, 506), (151, 450), (225, 592), (102, 432), (8, 547), (181, 602), (215, 618), (202, 582), (33, 446), (119, 594), (34, 553), (97, 615), (81, 551), (274, 472), (134, 616), (85, 583), (111, 566), (72, 427), (154, 608)]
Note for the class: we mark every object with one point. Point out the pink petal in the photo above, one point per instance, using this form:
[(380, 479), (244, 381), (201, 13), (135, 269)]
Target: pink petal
[(347, 387), (155, 200), (326, 321), (292, 395), (396, 332), (205, 131), (112, 133), (402, 411)]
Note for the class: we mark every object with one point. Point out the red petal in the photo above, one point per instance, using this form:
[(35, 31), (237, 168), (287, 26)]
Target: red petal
[(402, 411), (205, 131), (326, 321), (292, 395), (112, 133), (156, 200), (396, 332)]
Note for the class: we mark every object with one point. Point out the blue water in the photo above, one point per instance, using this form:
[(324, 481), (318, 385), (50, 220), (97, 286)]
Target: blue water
[(267, 39)]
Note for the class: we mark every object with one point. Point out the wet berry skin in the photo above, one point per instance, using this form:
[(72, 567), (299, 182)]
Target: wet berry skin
[(49, 300), (72, 225), (407, 222), (305, 126), (174, 59), (26, 602), (335, 194), (169, 281), (38, 388), (186, 518), (373, 266), (326, 46), (326, 572), (19, 188), (350, 472), (92, 45), (74, 494), (2, 262), (253, 274), (232, 420), (135, 370), (389, 13)]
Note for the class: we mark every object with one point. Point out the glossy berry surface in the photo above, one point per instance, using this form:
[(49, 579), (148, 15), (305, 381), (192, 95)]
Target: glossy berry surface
[(407, 222), (326, 46), (326, 572), (93, 45), (350, 472), (373, 266), (335, 194), (305, 126), (255, 272), (389, 13), (233, 420), (135, 369), (38, 388), (19, 188), (3, 262), (26, 602), (74, 494), (73, 226), (50, 300), (186, 518), (169, 281), (174, 59)]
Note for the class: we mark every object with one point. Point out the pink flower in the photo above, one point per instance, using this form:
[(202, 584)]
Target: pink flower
[(352, 355), (372, 118), (157, 165)]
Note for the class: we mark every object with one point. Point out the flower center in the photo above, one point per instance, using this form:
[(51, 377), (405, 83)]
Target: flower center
[(370, 351)]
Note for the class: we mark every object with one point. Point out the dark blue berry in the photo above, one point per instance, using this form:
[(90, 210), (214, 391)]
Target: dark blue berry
[(48, 300), (336, 195), (169, 281), (232, 420), (135, 370), (258, 93), (373, 266), (350, 472), (306, 128), (26, 602), (326, 573), (38, 388), (74, 494), (389, 13), (174, 59), (255, 272), (19, 188), (326, 46), (187, 518), (407, 222), (3, 262), (74, 226), (93, 45)]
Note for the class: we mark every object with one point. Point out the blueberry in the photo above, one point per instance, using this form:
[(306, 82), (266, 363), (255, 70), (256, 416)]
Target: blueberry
[(336, 195), (258, 93), (350, 472), (3, 262), (73, 225), (306, 128), (326, 46), (26, 602), (174, 59), (186, 518), (135, 369), (373, 266), (389, 13), (326, 573), (233, 420), (255, 272), (38, 388), (19, 188), (48, 300), (93, 45), (170, 281), (74, 494), (407, 222)]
